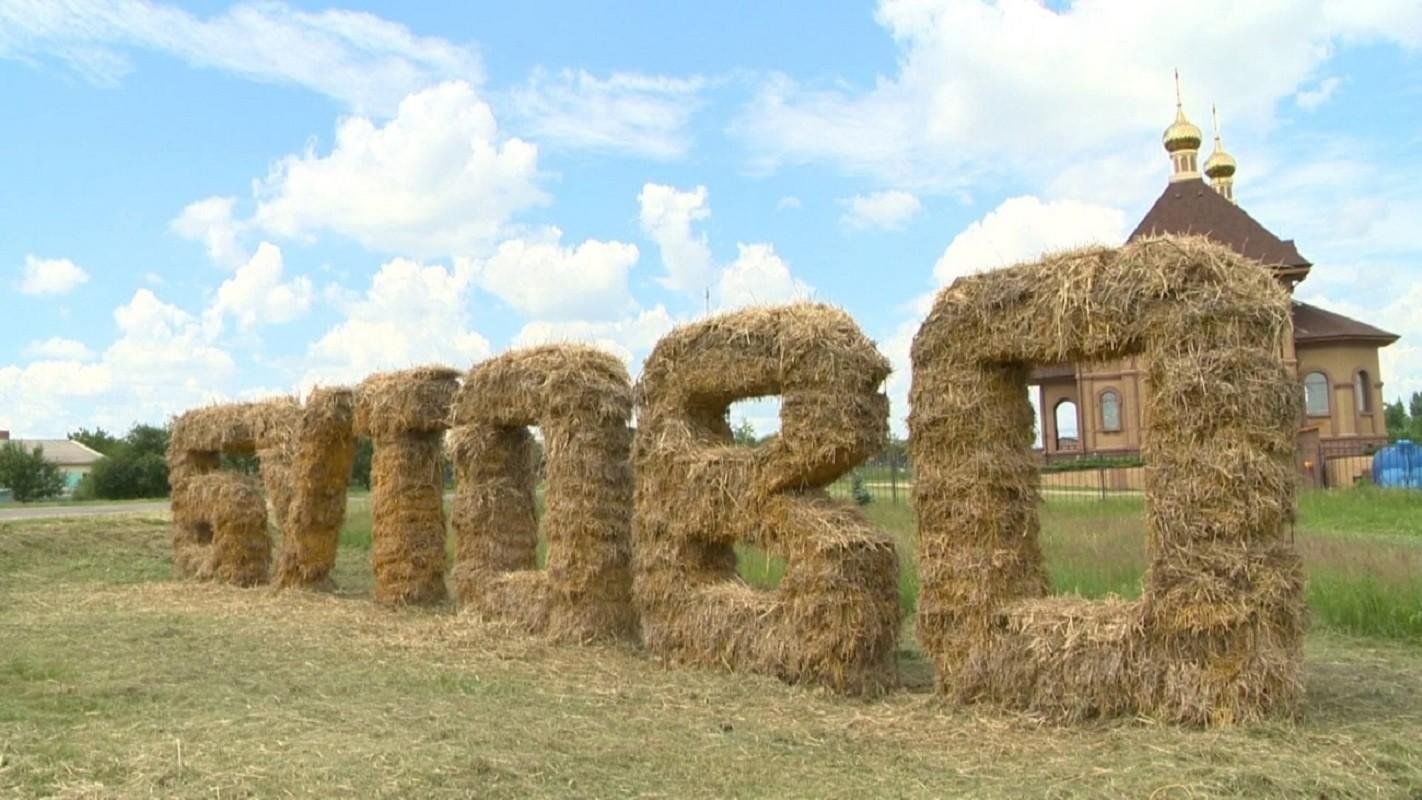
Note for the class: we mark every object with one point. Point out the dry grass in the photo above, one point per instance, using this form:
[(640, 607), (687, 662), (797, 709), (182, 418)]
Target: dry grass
[(117, 683)]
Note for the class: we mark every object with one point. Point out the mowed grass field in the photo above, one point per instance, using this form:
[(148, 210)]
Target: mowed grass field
[(117, 682)]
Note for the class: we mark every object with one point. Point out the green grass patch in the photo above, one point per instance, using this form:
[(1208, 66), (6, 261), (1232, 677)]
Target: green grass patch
[(1365, 580), (1362, 510)]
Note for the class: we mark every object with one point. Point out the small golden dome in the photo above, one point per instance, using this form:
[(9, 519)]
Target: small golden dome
[(1182, 134), (1220, 164)]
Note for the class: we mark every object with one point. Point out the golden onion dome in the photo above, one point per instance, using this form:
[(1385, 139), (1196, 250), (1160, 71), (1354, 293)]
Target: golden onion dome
[(1182, 134), (1220, 164)]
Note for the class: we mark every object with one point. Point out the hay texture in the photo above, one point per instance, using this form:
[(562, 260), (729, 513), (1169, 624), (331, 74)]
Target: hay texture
[(581, 398), (1215, 638), (322, 452), (406, 414), (226, 516), (833, 620), (215, 530)]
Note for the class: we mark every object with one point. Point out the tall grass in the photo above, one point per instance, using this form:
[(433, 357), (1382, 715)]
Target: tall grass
[(1362, 552)]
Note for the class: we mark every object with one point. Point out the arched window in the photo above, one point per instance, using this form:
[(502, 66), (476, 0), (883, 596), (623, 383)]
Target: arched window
[(1068, 435), (1110, 411), (1363, 392), (1316, 394)]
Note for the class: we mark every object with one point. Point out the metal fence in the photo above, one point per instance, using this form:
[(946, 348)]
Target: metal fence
[(1327, 465), (1337, 465), (890, 480)]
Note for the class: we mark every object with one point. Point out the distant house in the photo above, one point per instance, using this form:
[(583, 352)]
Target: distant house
[(73, 459)]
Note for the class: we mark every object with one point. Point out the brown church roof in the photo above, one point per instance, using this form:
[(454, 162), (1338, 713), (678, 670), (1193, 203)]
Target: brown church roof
[(1189, 206), (1313, 324)]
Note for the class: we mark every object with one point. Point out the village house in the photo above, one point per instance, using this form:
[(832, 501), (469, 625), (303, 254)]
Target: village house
[(73, 458)]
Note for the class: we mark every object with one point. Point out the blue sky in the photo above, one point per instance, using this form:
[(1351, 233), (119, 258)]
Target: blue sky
[(212, 201)]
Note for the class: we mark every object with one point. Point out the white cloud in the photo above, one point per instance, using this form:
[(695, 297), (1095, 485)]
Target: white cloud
[(56, 378), (162, 346), (1019, 229), (210, 222), (888, 210), (627, 113), (256, 295), (160, 363), (1002, 87), (434, 181), (631, 338), (787, 203), (412, 314), (364, 61), (546, 279), (758, 276), (59, 348), (667, 214), (51, 275), (1313, 99), (1022, 229)]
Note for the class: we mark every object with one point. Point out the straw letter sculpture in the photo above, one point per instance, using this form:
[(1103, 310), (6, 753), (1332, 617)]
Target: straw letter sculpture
[(220, 518), (833, 620), (406, 413), (1215, 638), (322, 451), (581, 398)]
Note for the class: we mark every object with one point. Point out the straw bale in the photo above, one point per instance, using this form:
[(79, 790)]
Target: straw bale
[(191, 542), (234, 428), (406, 401), (1215, 638), (322, 455), (200, 438), (276, 443), (406, 414), (581, 398), (833, 620), (223, 525)]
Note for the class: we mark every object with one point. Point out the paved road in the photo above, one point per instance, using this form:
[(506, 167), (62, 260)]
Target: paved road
[(14, 512)]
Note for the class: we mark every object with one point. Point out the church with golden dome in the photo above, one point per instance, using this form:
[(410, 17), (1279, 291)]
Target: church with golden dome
[(1097, 410)]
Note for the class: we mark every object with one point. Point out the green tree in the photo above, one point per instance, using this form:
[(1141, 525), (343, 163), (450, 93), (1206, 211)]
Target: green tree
[(98, 439), (28, 475), (1398, 423), (744, 434), (360, 469), (136, 467), (126, 476), (858, 490), (147, 440)]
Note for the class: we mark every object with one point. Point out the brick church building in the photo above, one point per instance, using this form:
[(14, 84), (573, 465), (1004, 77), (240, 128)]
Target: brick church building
[(1097, 409)]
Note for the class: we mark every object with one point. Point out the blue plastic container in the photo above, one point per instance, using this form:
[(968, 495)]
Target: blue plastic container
[(1398, 466)]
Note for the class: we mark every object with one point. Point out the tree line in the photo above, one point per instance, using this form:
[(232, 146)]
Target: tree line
[(1405, 421), (133, 466)]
